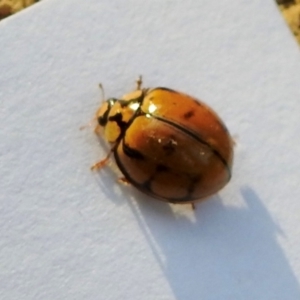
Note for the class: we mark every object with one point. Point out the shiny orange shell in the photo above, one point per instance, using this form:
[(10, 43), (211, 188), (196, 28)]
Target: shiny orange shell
[(175, 148)]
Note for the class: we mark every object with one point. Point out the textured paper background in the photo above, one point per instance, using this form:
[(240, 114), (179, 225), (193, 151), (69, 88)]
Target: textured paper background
[(66, 233)]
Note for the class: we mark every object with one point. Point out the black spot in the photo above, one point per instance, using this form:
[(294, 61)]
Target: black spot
[(131, 152), (162, 168), (170, 147), (118, 119), (189, 114)]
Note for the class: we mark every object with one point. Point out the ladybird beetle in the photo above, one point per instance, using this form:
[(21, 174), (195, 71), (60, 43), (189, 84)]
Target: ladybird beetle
[(167, 144)]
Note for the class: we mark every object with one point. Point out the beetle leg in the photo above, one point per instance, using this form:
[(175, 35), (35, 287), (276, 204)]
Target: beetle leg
[(124, 181), (193, 206), (90, 124), (98, 130), (100, 164), (234, 140), (139, 83)]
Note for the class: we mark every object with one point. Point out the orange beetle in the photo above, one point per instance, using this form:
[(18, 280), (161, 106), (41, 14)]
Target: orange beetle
[(167, 144)]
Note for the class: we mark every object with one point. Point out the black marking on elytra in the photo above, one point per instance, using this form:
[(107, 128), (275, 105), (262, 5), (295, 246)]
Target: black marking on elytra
[(164, 89), (162, 168), (118, 118), (170, 147), (144, 187), (131, 152), (189, 114)]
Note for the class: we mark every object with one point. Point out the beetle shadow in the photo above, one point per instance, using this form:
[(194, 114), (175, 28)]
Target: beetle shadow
[(215, 252), (218, 251)]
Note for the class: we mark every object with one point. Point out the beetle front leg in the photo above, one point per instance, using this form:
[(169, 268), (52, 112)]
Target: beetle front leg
[(100, 164), (124, 181), (98, 130)]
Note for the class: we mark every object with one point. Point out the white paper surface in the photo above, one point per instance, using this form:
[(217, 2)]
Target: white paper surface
[(66, 233)]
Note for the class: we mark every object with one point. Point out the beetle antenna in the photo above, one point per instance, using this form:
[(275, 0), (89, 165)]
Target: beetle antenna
[(102, 91), (90, 124), (139, 82)]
